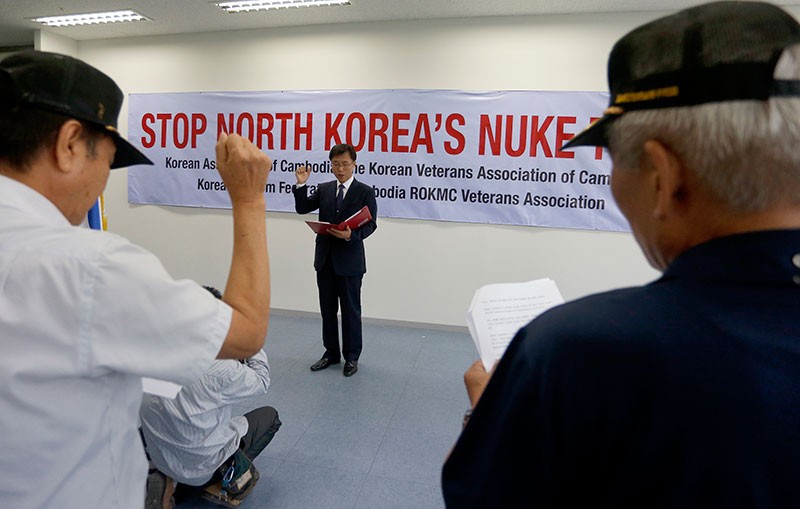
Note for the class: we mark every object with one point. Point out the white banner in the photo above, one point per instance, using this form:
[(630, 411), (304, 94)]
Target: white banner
[(479, 157)]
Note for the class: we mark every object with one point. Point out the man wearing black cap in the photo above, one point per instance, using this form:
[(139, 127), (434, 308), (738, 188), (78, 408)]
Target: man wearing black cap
[(85, 314), (684, 392)]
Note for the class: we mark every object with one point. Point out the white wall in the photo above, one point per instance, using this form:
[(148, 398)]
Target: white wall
[(418, 271), (48, 41)]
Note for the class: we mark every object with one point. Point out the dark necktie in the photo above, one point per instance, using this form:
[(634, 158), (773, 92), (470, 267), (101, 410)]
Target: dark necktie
[(340, 198)]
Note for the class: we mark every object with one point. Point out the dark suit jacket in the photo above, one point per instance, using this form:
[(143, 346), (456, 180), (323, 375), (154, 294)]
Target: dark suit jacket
[(347, 257)]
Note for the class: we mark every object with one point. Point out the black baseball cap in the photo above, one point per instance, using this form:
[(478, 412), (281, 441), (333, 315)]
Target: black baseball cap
[(721, 51), (66, 85)]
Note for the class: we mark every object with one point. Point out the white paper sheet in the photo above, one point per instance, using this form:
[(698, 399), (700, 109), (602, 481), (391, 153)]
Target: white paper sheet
[(499, 310), (160, 387)]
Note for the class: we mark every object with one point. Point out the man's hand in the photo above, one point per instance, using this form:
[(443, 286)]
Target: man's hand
[(301, 173), (341, 234), (476, 379), (243, 168)]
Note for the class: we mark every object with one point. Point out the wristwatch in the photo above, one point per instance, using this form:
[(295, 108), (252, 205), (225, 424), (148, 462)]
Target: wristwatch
[(466, 417)]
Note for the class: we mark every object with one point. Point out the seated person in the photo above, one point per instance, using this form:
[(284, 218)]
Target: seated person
[(195, 439)]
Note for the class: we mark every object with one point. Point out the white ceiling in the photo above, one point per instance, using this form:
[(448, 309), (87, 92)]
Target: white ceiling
[(187, 16)]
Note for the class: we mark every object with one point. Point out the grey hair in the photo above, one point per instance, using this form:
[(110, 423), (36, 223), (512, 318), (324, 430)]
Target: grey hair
[(747, 153)]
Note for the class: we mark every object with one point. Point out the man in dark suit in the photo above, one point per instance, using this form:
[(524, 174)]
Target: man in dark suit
[(339, 255)]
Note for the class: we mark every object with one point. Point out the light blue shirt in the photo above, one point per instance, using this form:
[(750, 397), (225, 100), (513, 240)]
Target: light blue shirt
[(190, 436)]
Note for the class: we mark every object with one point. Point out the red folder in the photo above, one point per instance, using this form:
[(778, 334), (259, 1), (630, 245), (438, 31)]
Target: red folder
[(354, 221)]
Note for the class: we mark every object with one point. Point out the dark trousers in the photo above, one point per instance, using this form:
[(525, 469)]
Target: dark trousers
[(333, 291), (262, 424)]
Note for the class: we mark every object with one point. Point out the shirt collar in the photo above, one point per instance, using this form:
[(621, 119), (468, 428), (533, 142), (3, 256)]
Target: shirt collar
[(771, 255), (25, 199), (347, 183)]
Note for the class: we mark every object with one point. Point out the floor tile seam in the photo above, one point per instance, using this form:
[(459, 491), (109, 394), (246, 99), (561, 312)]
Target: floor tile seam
[(332, 469), (277, 467), (419, 354), (301, 435), (290, 447), (399, 399), (327, 466), (380, 445), (361, 489), (400, 428), (426, 484), (380, 430), (406, 381), (437, 433)]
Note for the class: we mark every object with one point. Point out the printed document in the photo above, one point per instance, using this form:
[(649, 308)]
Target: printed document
[(499, 310)]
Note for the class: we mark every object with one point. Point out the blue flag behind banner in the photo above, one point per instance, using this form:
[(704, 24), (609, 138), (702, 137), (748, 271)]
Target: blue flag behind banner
[(95, 217), (482, 157)]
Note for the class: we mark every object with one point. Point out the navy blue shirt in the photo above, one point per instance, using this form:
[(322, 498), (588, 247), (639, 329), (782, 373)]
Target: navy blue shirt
[(684, 393)]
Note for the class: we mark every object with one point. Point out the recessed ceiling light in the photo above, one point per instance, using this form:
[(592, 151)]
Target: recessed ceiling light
[(92, 18), (263, 5)]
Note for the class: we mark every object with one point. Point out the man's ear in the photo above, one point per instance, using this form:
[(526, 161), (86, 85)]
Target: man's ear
[(669, 177), (67, 146)]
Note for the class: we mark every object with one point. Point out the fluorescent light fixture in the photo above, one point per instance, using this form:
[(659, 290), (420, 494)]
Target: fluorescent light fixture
[(92, 18), (265, 5)]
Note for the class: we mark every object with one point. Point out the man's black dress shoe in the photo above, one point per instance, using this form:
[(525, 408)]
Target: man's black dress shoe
[(322, 364), (350, 368)]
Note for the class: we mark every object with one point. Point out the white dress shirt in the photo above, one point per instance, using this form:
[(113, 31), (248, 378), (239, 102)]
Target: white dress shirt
[(84, 315), (347, 183)]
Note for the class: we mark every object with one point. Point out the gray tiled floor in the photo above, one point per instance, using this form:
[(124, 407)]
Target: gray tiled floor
[(375, 440)]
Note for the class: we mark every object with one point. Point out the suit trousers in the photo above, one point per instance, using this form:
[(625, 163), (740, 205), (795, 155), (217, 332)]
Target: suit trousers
[(333, 291)]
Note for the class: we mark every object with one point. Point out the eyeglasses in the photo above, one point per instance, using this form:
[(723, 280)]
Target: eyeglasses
[(339, 164)]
